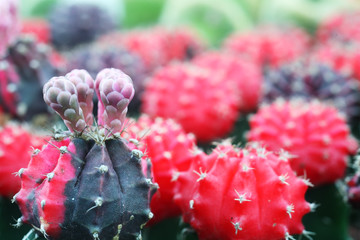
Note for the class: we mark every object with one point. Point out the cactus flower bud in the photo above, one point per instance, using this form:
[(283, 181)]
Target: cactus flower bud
[(61, 95), (85, 89), (115, 91)]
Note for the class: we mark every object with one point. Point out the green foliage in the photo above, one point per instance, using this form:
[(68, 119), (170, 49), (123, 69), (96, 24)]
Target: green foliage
[(35, 8), (142, 12), (212, 19)]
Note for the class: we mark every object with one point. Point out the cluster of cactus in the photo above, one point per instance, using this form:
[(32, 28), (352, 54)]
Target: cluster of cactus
[(89, 183), (293, 100)]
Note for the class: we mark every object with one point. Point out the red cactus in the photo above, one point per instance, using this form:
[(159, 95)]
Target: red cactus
[(157, 46), (171, 151), (15, 152), (315, 134), (345, 58), (201, 100), (245, 74), (246, 193), (269, 45), (37, 27)]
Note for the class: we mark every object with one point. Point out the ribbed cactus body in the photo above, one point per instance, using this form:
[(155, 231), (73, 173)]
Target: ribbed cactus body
[(89, 190)]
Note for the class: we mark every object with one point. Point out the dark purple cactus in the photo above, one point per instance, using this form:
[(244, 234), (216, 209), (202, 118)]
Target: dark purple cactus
[(31, 61), (97, 181), (313, 81), (78, 23)]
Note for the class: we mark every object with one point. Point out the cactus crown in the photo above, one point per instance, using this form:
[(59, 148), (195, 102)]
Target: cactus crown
[(71, 96)]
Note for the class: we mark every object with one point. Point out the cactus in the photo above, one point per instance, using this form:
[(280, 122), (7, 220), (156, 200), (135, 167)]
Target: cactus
[(316, 136), (9, 80), (15, 151), (246, 75), (38, 27), (176, 90), (313, 80), (343, 57), (31, 61), (270, 45), (78, 23), (157, 46), (88, 184), (340, 27), (171, 151), (248, 193)]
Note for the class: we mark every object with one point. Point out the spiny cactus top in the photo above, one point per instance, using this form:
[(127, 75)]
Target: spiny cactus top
[(9, 23), (246, 74), (197, 97), (249, 193), (315, 134), (87, 184)]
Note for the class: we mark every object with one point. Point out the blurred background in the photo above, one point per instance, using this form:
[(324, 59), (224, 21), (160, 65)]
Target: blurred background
[(40, 39), (212, 20)]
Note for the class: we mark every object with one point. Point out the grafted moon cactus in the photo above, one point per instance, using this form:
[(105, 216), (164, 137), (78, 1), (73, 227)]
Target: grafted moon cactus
[(88, 184)]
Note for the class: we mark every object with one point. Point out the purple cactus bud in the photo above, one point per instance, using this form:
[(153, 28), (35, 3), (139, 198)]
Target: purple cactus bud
[(61, 95), (84, 84), (115, 91)]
